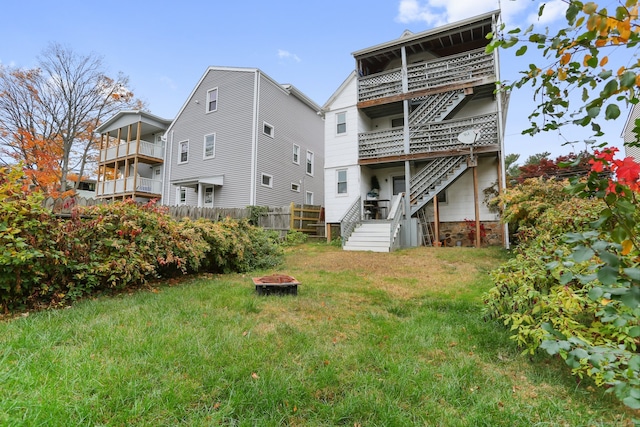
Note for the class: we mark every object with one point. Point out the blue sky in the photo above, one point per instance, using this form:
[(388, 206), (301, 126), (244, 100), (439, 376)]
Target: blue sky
[(165, 49)]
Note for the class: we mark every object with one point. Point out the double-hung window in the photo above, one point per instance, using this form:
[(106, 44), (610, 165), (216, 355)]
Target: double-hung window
[(296, 154), (184, 152), (310, 163), (212, 100), (341, 123), (342, 181), (209, 146)]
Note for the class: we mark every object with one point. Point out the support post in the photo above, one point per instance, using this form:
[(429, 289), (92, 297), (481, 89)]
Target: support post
[(476, 204)]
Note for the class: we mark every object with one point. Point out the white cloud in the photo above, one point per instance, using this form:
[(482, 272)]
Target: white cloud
[(283, 54), (439, 12), (553, 10)]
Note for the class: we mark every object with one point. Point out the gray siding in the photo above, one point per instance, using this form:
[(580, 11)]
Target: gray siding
[(294, 122), (232, 124)]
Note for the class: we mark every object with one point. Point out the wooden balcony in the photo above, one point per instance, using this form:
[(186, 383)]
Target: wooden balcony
[(428, 140), (136, 186), (469, 68), (147, 150)]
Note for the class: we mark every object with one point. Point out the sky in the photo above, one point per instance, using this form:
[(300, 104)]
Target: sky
[(165, 49)]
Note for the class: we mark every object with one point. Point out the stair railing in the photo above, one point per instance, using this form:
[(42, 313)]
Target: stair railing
[(395, 213), (351, 219)]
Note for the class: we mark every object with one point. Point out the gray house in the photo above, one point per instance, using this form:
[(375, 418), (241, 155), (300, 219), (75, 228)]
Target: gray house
[(243, 139)]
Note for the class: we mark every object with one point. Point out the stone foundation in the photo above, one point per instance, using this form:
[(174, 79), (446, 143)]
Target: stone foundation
[(459, 233)]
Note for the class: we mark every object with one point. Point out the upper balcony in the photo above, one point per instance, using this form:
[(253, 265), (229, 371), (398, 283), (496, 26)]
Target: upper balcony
[(474, 67), (152, 152), (428, 140)]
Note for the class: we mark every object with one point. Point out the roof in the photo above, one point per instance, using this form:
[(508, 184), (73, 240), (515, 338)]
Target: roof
[(471, 29), (150, 122)]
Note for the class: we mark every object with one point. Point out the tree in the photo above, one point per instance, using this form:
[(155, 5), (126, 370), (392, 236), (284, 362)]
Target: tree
[(599, 266), (579, 63), (53, 110)]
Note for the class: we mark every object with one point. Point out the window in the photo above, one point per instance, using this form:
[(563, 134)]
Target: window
[(209, 146), (296, 154), (295, 187), (184, 152), (308, 199), (182, 196), (266, 180), (398, 185), (157, 172), (309, 163), (212, 100), (342, 181), (397, 123), (267, 129), (341, 123)]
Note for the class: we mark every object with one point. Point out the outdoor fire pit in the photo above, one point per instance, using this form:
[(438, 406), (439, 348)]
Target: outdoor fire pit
[(276, 284)]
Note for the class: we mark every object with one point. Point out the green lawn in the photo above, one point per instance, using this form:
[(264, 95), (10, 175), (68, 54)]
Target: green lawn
[(370, 340)]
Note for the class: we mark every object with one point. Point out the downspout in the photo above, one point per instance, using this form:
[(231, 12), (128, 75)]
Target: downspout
[(496, 58), (254, 141)]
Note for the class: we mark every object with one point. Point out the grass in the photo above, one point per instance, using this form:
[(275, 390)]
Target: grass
[(370, 340)]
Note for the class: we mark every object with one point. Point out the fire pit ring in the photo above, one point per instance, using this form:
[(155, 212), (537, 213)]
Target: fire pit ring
[(276, 284)]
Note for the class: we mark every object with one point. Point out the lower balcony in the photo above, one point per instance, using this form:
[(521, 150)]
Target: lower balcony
[(138, 186), (147, 149), (430, 138)]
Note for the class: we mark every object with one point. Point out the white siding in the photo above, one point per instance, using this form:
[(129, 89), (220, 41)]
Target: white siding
[(340, 203), (460, 198)]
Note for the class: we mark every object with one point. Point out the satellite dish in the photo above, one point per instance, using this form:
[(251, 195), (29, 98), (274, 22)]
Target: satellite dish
[(469, 136)]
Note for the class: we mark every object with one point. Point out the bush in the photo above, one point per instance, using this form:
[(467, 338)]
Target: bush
[(28, 257), (237, 246)]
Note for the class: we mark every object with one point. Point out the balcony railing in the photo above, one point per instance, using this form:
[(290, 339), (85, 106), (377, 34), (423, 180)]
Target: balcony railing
[(471, 65), (127, 185), (428, 138), (148, 149)]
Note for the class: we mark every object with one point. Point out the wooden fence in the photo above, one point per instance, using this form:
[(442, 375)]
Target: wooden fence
[(272, 218)]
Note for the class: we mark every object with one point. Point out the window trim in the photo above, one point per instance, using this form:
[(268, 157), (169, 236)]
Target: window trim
[(338, 123), (306, 166), (306, 197), (204, 146), (346, 182), (295, 187), (270, 126), (262, 176), (208, 110), (204, 196), (296, 154), (180, 161)]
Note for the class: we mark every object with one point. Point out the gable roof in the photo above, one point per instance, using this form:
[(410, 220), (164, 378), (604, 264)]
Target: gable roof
[(287, 88), (341, 88)]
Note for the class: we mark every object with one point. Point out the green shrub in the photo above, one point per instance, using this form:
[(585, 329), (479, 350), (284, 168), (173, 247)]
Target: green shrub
[(237, 246), (28, 255), (121, 244), (295, 237)]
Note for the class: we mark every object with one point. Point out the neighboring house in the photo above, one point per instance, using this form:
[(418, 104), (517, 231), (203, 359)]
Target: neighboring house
[(242, 139), (628, 135), (419, 119), (130, 162)]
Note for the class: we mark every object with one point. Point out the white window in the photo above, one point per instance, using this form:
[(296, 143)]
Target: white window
[(295, 187), (208, 197), (310, 163), (181, 196), (267, 129), (212, 100), (342, 181), (266, 180), (296, 154), (209, 146), (308, 199), (184, 152), (341, 123)]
